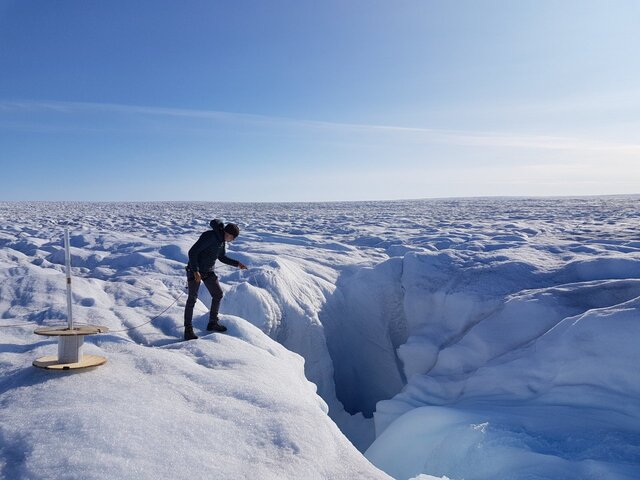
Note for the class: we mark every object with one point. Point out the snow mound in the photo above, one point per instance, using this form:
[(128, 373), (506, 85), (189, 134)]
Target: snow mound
[(224, 406), (488, 445)]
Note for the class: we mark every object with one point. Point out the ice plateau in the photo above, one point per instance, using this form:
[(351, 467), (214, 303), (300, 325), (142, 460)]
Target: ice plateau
[(460, 339)]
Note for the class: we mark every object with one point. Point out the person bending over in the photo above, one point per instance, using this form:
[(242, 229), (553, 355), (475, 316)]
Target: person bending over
[(202, 257)]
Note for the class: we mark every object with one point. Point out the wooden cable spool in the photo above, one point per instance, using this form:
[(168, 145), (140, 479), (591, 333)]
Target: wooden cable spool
[(70, 339)]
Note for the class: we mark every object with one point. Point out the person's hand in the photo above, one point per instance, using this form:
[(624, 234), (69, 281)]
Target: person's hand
[(197, 277), (242, 266)]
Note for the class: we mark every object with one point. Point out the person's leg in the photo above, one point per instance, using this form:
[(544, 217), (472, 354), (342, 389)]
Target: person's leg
[(193, 287), (213, 285)]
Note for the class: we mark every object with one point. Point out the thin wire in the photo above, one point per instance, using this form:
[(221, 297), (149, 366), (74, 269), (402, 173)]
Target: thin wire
[(110, 331), (145, 323)]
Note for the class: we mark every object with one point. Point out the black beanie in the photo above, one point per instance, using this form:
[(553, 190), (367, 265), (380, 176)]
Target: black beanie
[(232, 229)]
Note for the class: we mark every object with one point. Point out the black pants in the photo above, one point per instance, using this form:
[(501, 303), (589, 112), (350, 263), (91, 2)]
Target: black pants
[(211, 282)]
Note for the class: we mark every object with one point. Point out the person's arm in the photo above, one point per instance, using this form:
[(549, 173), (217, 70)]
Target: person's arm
[(230, 261)]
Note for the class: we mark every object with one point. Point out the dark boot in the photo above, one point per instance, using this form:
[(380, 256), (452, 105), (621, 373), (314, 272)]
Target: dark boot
[(214, 326), (188, 333)]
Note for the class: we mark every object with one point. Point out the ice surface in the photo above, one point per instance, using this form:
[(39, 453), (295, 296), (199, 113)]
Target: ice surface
[(226, 406), (491, 444), (490, 338)]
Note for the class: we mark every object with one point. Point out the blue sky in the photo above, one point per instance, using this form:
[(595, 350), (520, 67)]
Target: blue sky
[(306, 100)]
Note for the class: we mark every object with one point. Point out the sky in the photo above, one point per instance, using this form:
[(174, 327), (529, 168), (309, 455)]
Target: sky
[(306, 100)]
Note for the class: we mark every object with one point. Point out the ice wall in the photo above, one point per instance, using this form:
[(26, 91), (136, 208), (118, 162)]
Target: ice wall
[(347, 326), (364, 323), (533, 360)]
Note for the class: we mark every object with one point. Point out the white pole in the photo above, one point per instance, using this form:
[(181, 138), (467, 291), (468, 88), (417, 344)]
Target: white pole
[(67, 260)]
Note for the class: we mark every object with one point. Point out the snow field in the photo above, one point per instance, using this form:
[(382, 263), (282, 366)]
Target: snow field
[(490, 338)]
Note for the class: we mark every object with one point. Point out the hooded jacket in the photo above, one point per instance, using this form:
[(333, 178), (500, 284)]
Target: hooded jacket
[(209, 248)]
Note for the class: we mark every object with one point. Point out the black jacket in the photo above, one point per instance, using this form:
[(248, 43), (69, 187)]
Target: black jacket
[(209, 247)]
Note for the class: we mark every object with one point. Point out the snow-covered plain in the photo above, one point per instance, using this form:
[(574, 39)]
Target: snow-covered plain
[(489, 339)]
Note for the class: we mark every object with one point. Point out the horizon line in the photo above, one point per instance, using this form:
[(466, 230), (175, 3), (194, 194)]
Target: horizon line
[(454, 197)]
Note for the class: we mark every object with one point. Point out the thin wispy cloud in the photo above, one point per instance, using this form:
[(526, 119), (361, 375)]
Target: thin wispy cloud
[(419, 134), (594, 103)]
